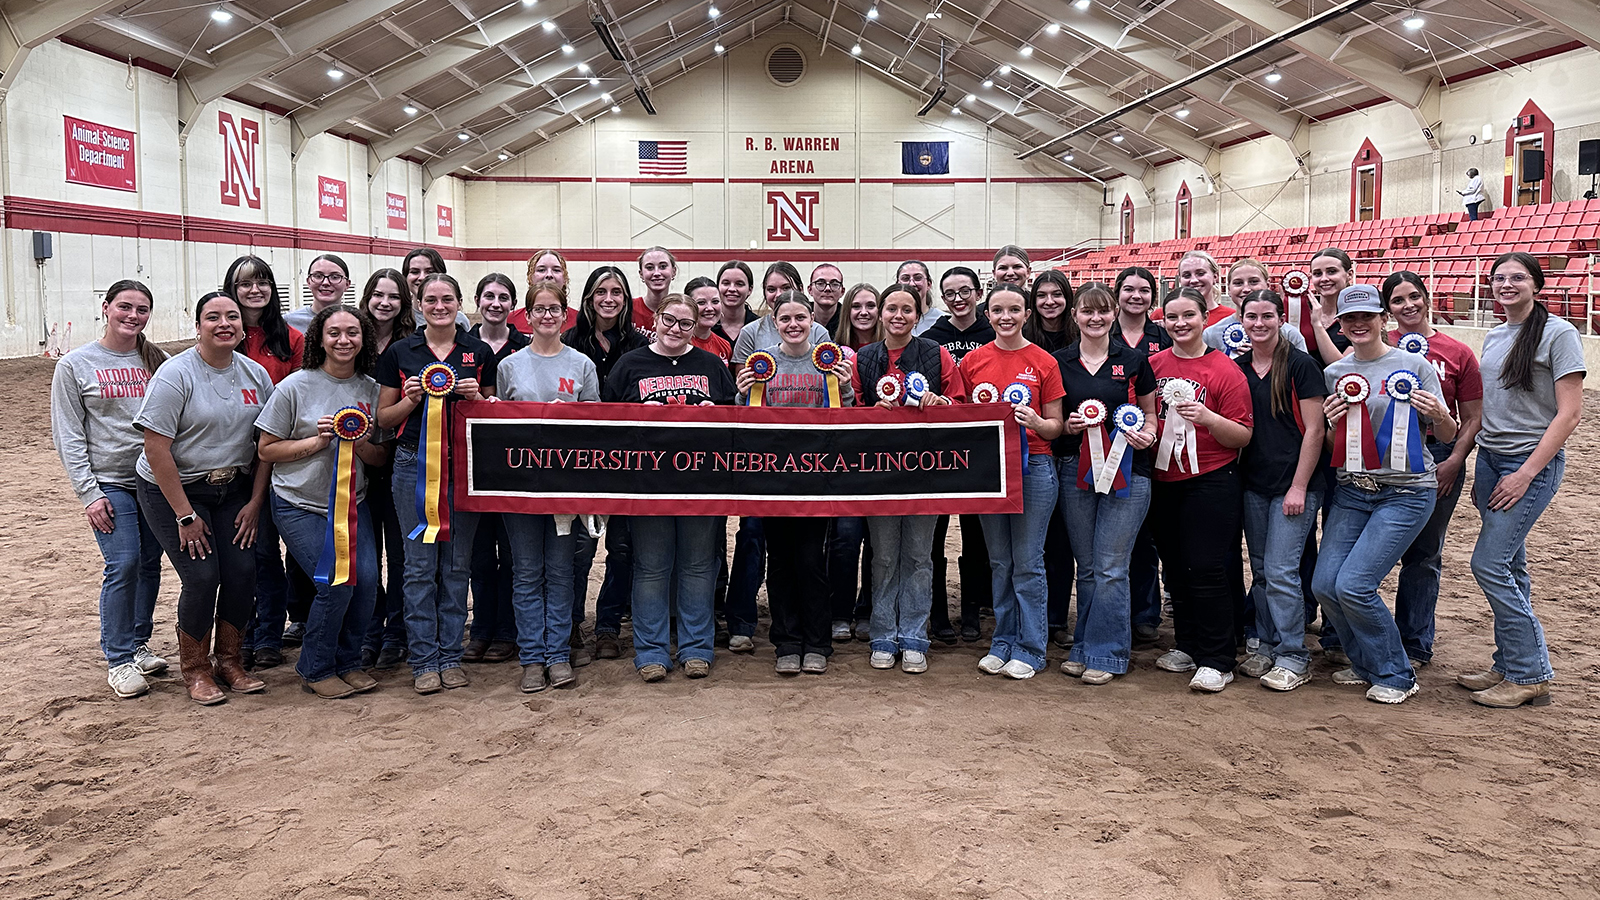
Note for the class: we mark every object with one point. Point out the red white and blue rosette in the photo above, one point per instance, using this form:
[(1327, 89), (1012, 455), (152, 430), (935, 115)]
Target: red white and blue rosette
[(351, 423), (1399, 436), (433, 473), (1234, 339), (1178, 445), (916, 389), (438, 379), (1092, 452), (888, 388), (1017, 393), (1297, 297), (1413, 342), (762, 368), (985, 392), (336, 565), (825, 356), (1354, 448)]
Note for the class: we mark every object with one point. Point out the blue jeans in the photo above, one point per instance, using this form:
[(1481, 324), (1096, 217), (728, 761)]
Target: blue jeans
[(132, 577), (1500, 565), (541, 587), (339, 613), (749, 561), (1472, 212), (1016, 564), (674, 557), (272, 584), (902, 581), (437, 577), (1418, 594), (1102, 529), (1277, 543), (1361, 544)]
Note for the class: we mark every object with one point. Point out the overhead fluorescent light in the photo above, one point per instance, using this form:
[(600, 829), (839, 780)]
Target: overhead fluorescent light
[(937, 96)]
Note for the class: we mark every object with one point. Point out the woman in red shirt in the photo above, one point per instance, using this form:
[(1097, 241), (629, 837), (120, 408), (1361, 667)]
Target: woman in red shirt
[(1016, 541), (1205, 416)]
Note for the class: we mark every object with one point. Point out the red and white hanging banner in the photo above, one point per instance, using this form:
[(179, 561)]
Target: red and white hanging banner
[(331, 199), (99, 155), (395, 206), (447, 222)]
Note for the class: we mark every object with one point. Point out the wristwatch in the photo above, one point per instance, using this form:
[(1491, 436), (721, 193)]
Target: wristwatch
[(186, 521)]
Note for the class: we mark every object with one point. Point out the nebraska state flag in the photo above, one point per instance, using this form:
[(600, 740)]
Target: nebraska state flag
[(925, 158)]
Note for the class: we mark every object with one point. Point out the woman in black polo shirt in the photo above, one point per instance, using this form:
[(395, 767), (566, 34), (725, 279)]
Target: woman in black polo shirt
[(436, 572), (1135, 290), (1104, 479)]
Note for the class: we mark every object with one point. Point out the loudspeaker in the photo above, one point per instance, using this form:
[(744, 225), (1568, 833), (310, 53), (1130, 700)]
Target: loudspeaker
[(1532, 166), (1589, 157), (43, 247)]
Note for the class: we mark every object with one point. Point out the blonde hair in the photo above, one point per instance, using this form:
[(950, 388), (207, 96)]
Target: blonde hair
[(1211, 261)]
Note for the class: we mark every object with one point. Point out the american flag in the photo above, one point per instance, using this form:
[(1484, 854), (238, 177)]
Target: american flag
[(663, 157)]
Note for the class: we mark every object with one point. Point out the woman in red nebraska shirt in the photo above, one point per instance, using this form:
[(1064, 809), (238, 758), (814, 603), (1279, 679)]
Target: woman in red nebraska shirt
[(1462, 384), (1016, 541), (1205, 416)]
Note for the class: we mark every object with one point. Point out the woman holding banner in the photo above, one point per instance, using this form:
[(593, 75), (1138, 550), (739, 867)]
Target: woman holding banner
[(913, 371), (421, 378), (316, 432), (1103, 479), (1016, 371), (800, 371), (1381, 402), (675, 558), (543, 547)]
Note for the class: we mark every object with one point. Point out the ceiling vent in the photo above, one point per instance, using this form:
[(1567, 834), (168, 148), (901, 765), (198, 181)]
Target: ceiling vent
[(785, 64)]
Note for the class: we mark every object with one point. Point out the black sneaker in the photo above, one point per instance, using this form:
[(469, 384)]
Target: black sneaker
[(389, 657), (945, 635), (295, 634)]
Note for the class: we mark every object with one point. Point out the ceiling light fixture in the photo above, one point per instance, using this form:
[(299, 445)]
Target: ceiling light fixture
[(856, 50), (504, 157), (409, 110), (566, 48), (1005, 69), (530, 2), (955, 110), (713, 12), (1116, 138), (463, 136), (1053, 28), (1026, 50), (1067, 156), (594, 82), (872, 13), (616, 109), (1183, 111), (549, 25), (221, 16), (1414, 21), (1274, 76), (988, 82), (1082, 5), (584, 68), (606, 96), (336, 73), (719, 48)]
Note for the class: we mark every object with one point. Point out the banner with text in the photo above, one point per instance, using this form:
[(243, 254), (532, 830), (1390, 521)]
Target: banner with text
[(626, 459), (100, 155), (331, 198)]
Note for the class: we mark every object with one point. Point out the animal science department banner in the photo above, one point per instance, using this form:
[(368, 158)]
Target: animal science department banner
[(630, 459)]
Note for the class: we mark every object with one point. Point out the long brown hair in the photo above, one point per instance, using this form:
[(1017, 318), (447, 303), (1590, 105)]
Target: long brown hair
[(1518, 370), (404, 321), (1283, 399), (151, 355)]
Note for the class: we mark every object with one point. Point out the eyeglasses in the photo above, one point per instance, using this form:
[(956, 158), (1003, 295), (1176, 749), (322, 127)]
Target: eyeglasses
[(252, 285), (547, 312), (823, 284), (1513, 278), (324, 278), (964, 293), (673, 323)]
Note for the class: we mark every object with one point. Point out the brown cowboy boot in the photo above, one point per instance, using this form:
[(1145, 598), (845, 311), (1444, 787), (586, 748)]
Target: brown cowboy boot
[(196, 669), (230, 661)]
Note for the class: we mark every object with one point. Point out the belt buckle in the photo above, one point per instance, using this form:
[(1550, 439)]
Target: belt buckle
[(222, 476), (1363, 482)]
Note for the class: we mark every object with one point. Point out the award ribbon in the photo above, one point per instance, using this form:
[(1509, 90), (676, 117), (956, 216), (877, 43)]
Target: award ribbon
[(1234, 339), (1297, 297), (1117, 476), (336, 565), (1092, 455), (1178, 443), (825, 356), (1017, 392), (985, 392), (1354, 449), (916, 389), (1400, 436), (1413, 342), (433, 521), (763, 367), (888, 388)]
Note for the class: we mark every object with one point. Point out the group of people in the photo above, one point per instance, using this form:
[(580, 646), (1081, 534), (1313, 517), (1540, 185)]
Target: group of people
[(1161, 443)]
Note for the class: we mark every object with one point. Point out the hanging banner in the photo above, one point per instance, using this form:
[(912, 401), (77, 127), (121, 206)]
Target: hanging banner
[(446, 221), (331, 194), (99, 155), (636, 460), (394, 206)]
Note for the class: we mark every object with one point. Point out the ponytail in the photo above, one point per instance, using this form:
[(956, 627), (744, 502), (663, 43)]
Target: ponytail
[(152, 355), (1518, 371)]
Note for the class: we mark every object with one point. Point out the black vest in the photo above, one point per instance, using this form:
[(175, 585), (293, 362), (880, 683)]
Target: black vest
[(921, 355)]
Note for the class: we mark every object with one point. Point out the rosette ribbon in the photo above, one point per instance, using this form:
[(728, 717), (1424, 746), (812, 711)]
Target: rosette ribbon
[(1178, 441), (916, 389), (1400, 435), (763, 367), (1116, 477), (1234, 339), (1354, 448), (1017, 392), (336, 565), (985, 392), (1297, 297), (1413, 342), (825, 356), (1092, 453), (889, 389), (433, 472)]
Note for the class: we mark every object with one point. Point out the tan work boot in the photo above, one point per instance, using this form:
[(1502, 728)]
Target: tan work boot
[(230, 661), (1480, 681), (1509, 695), (195, 666)]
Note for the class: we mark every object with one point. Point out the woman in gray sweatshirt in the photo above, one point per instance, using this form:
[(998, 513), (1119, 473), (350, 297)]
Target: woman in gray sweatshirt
[(97, 390)]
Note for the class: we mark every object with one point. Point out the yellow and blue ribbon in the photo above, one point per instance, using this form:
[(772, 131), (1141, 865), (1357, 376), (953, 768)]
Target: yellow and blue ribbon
[(763, 367), (825, 356), (433, 520), (336, 565)]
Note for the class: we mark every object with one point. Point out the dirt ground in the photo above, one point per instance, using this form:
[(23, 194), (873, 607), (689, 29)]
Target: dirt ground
[(857, 783)]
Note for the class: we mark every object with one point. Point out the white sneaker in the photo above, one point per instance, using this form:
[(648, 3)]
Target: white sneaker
[(1074, 669), (127, 681), (742, 643), (991, 664), (149, 663), (1017, 669), (881, 659), (1175, 661), (1210, 680), (1348, 676), (913, 662), (1097, 676), (1380, 694), (1281, 679), (1256, 665)]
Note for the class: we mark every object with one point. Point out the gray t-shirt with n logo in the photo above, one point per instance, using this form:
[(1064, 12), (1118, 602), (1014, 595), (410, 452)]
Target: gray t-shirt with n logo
[(210, 414), (292, 414)]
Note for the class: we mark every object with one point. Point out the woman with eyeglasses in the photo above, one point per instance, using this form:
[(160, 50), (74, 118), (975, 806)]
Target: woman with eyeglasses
[(492, 635), (960, 333), (1533, 370), (327, 278)]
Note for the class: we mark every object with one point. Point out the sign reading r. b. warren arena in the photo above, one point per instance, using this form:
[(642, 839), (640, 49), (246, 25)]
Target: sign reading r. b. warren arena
[(626, 459)]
